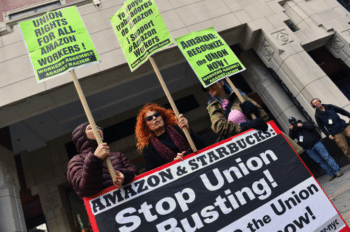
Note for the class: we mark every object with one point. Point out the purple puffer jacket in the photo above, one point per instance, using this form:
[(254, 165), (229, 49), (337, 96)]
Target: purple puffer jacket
[(87, 173)]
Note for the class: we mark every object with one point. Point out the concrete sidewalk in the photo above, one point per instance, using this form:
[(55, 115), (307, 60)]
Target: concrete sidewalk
[(338, 190)]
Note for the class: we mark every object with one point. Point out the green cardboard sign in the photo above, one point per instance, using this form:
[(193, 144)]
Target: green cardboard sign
[(58, 42), (140, 30), (209, 55)]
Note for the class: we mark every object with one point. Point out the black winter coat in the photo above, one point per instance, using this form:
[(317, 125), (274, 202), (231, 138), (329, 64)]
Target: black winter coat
[(308, 132), (154, 160), (89, 174), (331, 112)]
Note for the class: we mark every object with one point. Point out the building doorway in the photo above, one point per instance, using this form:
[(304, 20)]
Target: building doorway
[(335, 68)]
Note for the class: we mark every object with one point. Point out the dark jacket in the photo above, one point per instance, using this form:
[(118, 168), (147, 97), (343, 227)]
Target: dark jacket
[(223, 127), (87, 173), (322, 118), (152, 157), (308, 132)]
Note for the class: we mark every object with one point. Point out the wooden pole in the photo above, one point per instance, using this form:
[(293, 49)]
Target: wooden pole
[(92, 123), (237, 94), (171, 101)]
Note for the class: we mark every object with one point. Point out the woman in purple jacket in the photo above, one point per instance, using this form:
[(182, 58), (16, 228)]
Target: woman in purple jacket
[(87, 171)]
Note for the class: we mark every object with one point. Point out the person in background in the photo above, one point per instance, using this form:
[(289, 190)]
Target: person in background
[(160, 138), (331, 124), (87, 171), (230, 117), (310, 140)]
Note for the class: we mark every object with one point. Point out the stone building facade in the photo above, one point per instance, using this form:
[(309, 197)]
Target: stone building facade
[(278, 42)]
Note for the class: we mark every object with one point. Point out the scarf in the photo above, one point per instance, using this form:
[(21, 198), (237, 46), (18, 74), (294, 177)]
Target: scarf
[(165, 152)]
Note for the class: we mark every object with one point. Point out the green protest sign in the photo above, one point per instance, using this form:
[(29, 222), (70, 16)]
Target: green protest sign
[(209, 55), (140, 30), (58, 42)]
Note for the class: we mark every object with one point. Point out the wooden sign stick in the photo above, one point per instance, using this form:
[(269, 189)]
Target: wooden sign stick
[(171, 101), (92, 123), (237, 94)]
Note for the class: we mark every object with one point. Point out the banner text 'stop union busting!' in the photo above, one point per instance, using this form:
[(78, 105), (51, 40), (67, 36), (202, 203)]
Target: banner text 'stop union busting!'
[(248, 183)]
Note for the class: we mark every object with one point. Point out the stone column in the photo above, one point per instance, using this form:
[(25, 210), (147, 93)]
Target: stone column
[(11, 212), (53, 205), (280, 50), (339, 46), (262, 82)]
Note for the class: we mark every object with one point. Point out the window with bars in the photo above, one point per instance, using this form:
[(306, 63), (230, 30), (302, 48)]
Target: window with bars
[(34, 11), (292, 26)]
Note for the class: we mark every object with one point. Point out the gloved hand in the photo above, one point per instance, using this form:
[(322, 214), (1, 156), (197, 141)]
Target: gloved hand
[(257, 123), (248, 108)]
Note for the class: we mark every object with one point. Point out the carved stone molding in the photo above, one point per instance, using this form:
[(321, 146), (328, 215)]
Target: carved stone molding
[(337, 45), (266, 50), (346, 33), (283, 37)]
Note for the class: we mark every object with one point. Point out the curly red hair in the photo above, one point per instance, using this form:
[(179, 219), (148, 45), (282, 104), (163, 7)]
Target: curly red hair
[(143, 134)]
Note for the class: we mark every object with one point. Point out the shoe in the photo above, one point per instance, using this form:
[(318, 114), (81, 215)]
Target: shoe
[(339, 174), (331, 177)]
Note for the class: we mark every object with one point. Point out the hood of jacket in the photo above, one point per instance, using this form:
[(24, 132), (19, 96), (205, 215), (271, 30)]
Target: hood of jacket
[(82, 143)]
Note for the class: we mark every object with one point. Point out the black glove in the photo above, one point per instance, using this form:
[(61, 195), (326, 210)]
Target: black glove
[(248, 108), (257, 123)]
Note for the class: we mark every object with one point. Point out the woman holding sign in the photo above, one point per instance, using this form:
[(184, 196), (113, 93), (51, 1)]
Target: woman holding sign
[(160, 138), (87, 172), (230, 117)]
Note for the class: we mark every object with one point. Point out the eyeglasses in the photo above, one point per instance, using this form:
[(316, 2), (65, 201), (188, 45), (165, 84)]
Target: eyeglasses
[(149, 118)]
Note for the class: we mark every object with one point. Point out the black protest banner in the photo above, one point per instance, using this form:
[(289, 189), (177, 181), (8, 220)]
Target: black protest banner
[(254, 181)]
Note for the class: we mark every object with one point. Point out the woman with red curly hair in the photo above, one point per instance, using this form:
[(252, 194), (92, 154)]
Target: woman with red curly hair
[(160, 138)]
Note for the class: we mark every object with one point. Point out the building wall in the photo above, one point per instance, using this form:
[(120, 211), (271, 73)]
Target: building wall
[(6, 6), (238, 21), (257, 25)]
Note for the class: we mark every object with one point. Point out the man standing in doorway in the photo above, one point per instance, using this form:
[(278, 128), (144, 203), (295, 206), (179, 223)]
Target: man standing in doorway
[(331, 124), (309, 139)]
